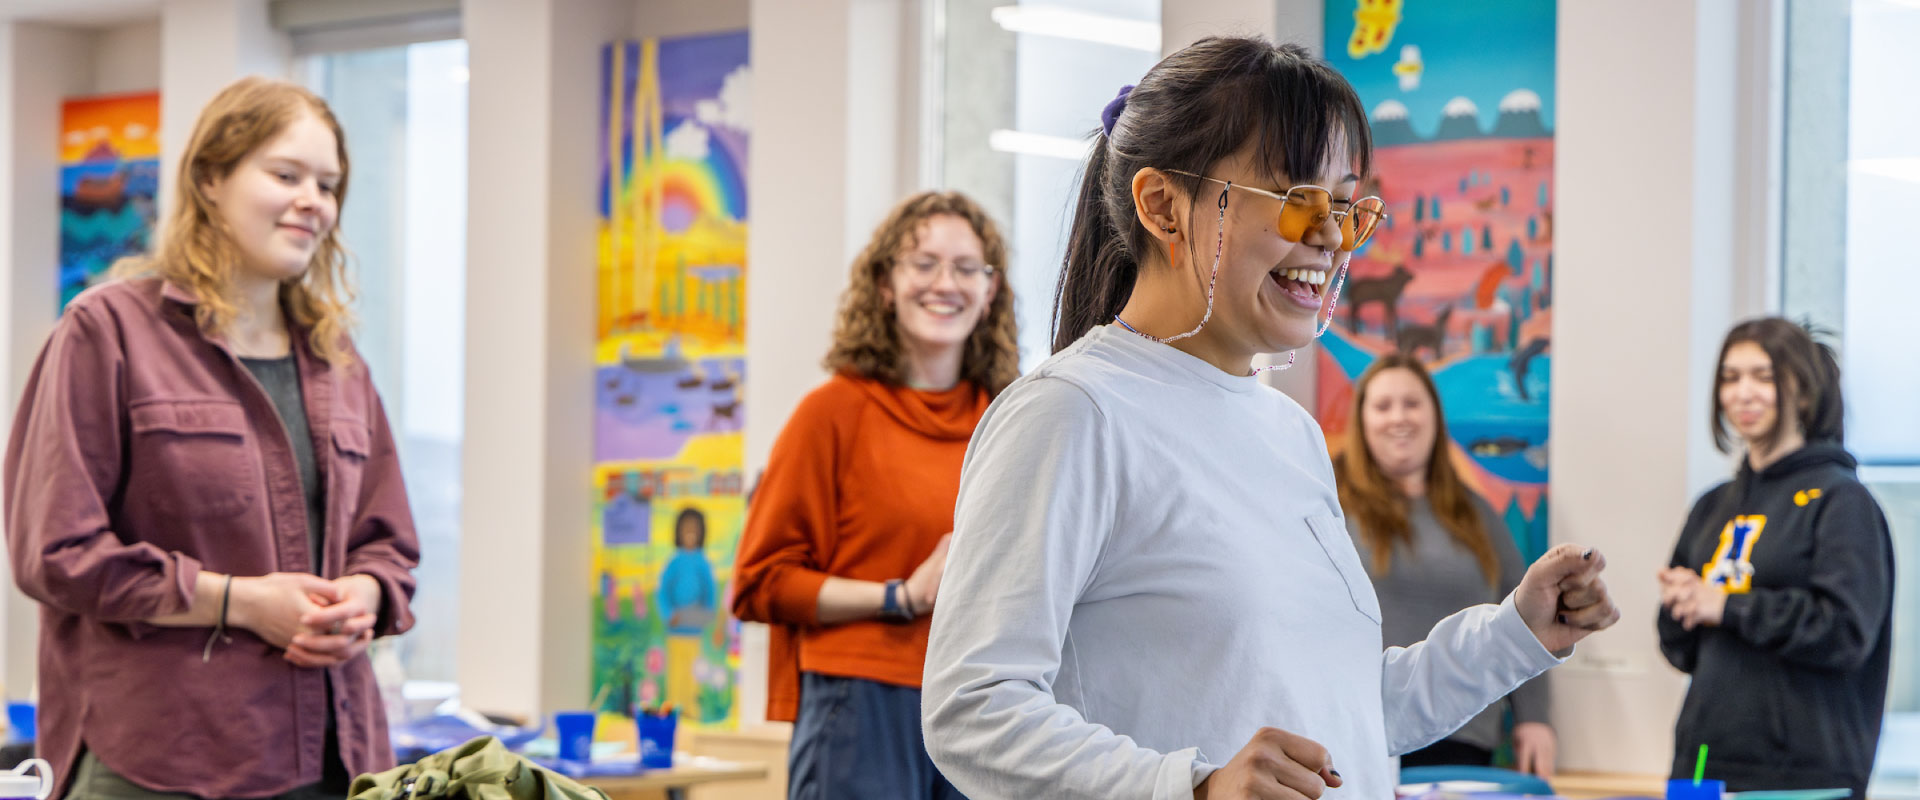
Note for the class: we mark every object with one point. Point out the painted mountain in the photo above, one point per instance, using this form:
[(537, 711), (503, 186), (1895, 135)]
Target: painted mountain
[(1391, 127), (1459, 120), (1520, 116)]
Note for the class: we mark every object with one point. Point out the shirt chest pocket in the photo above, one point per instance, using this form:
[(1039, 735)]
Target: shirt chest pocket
[(1338, 547), (192, 459), (352, 446)]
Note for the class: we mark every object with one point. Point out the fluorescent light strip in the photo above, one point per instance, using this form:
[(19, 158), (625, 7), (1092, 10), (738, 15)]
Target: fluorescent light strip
[(1067, 23), (1038, 144), (1899, 169)]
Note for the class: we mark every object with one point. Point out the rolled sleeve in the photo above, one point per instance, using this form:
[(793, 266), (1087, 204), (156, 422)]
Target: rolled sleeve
[(64, 459), (796, 594)]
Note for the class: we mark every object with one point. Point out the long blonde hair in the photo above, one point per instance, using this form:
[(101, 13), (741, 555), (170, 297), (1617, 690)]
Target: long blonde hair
[(866, 336), (197, 251)]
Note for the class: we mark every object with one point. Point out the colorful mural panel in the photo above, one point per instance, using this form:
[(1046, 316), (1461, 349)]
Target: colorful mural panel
[(109, 175), (1461, 99), (670, 500)]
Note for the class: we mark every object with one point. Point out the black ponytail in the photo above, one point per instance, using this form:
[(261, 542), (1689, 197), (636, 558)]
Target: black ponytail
[(1099, 272)]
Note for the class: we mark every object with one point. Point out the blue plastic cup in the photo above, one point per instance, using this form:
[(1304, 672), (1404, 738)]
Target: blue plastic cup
[(656, 739), (574, 730), (20, 721), (1687, 789)]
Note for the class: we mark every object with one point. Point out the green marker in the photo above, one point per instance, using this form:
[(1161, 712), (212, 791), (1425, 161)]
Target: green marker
[(1700, 766)]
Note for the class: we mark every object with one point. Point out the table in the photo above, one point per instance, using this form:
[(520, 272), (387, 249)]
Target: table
[(767, 743), (1590, 785), (672, 784)]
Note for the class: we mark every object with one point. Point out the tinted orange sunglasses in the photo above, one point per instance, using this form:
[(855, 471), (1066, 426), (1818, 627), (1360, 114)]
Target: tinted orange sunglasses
[(1306, 207)]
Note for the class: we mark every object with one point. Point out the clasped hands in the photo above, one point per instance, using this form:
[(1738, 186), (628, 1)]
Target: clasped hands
[(318, 622), (1690, 600)]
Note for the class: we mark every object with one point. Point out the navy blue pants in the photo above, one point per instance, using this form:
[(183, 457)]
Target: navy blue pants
[(860, 740)]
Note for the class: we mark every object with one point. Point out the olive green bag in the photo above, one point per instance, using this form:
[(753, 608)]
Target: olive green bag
[(481, 769)]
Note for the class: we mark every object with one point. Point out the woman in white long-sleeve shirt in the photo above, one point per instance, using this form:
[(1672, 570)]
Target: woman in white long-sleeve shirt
[(1152, 593)]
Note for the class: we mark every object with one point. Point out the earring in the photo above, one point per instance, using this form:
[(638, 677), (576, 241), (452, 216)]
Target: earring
[(1168, 229)]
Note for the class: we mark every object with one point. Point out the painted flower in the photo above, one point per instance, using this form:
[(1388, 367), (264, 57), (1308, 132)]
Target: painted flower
[(656, 661)]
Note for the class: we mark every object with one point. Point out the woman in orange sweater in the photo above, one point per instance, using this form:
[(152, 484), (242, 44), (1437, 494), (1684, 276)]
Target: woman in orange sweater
[(847, 538)]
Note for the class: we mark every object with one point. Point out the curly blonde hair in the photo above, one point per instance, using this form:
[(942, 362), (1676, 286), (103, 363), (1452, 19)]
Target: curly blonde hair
[(197, 251), (866, 337)]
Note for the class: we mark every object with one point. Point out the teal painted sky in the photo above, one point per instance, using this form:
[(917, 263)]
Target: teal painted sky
[(1478, 49)]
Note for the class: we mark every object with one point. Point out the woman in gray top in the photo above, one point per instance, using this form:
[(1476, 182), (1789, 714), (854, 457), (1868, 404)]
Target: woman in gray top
[(1431, 546)]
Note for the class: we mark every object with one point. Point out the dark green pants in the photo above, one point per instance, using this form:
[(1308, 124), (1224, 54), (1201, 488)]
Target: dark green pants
[(92, 780)]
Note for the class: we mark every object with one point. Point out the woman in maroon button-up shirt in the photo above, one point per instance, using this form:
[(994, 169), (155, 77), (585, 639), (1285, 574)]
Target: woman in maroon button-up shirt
[(196, 637)]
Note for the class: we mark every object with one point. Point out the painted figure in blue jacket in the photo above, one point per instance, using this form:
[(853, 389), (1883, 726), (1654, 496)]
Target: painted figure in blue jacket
[(687, 599)]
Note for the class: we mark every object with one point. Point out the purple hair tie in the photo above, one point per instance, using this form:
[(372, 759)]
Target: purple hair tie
[(1111, 114)]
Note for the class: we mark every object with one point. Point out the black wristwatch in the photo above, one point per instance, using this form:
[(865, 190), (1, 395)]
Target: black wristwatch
[(894, 608)]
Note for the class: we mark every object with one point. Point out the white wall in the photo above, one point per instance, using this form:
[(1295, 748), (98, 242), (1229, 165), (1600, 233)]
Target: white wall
[(839, 161), (1301, 21), (526, 459), (689, 18), (1183, 22), (1639, 307), (503, 459), (126, 58), (40, 66), (881, 80), (572, 223)]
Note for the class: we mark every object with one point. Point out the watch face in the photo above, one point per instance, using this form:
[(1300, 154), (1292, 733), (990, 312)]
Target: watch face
[(891, 607)]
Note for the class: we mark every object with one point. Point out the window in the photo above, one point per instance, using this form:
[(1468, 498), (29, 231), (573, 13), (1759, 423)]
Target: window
[(404, 110), (1852, 178), (1014, 117), (1883, 189)]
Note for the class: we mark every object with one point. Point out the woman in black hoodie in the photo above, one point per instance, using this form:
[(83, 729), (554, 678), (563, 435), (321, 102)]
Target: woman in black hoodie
[(1779, 596)]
